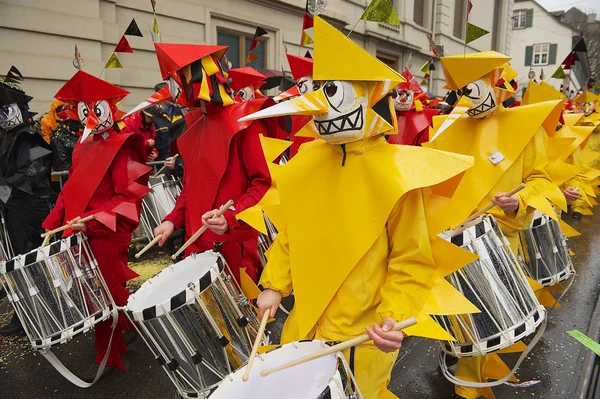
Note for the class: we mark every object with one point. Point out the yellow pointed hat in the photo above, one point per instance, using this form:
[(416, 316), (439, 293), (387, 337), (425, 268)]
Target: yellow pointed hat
[(586, 97), (536, 93), (460, 70)]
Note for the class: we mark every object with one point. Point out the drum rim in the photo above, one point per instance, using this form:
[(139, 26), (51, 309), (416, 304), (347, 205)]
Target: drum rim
[(183, 297), (41, 254)]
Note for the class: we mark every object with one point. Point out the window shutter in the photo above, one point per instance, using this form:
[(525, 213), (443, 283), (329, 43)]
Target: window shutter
[(529, 22), (528, 55), (419, 12), (552, 55), (459, 18)]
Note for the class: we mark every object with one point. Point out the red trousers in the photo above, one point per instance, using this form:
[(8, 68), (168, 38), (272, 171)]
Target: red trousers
[(112, 260)]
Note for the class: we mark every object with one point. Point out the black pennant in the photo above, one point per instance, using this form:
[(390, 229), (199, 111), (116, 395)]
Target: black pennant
[(580, 46), (308, 54), (133, 29), (260, 32)]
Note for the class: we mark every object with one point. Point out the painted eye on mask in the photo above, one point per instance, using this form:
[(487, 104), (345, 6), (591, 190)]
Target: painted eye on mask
[(305, 85), (83, 112), (102, 111), (472, 90)]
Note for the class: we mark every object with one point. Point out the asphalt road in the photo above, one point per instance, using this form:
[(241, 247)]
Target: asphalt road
[(554, 369)]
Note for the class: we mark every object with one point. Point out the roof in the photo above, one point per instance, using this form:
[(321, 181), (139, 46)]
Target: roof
[(574, 29)]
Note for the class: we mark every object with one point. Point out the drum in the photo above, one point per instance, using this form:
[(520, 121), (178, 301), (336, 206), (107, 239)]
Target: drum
[(57, 291), (496, 285), (158, 203), (5, 238), (195, 321), (326, 377), (545, 251)]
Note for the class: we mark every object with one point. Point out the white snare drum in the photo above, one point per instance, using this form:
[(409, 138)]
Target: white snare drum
[(158, 203), (545, 251), (327, 377), (195, 321), (57, 291), (496, 285)]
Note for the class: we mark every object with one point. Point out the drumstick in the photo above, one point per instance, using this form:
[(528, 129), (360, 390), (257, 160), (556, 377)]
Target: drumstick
[(66, 226), (336, 348), (150, 245), (490, 206), (261, 331), (202, 229), (164, 166)]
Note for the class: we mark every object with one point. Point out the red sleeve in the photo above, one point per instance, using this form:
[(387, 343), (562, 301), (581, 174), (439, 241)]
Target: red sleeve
[(177, 216), (254, 164)]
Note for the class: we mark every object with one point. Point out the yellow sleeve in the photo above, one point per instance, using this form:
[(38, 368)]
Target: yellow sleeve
[(579, 181), (411, 266), (277, 274), (537, 180)]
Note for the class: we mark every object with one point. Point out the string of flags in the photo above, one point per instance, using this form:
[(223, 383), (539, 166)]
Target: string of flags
[(307, 28), (472, 32), (570, 59), (123, 45), (260, 32)]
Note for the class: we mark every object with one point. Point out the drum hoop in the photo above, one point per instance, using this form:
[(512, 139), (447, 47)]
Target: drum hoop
[(41, 254), (183, 297)]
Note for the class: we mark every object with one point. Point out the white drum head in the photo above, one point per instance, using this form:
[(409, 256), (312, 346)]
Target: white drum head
[(305, 381), (161, 293)]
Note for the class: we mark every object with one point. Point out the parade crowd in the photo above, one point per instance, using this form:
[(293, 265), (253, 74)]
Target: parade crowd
[(382, 209)]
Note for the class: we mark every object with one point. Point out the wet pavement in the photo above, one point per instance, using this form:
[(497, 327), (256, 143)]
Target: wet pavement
[(555, 369)]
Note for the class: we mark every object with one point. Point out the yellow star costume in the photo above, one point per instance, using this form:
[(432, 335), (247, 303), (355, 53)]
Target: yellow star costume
[(353, 215), (588, 104), (509, 149)]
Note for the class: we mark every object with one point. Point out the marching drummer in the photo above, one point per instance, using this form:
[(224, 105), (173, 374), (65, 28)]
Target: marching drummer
[(107, 179), (223, 158), (24, 195)]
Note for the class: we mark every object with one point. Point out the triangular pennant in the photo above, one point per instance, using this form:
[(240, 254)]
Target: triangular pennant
[(260, 32), (431, 66), (155, 28), (424, 82), (153, 2), (469, 8), (251, 57), (133, 29), (425, 67), (113, 62), (123, 46), (381, 11), (559, 73), (254, 44), (474, 32), (307, 24), (580, 46), (306, 39), (569, 61)]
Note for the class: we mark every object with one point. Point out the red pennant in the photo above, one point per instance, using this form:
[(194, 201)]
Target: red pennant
[(569, 61), (469, 8), (254, 44), (123, 46)]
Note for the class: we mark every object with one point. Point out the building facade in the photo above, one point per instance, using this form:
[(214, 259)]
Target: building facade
[(541, 42), (39, 35)]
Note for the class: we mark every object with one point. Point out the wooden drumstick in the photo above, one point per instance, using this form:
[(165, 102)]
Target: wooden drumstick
[(150, 245), (202, 229), (164, 166), (66, 226), (490, 206), (336, 348), (261, 331)]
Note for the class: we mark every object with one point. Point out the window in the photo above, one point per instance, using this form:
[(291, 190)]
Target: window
[(459, 18), (540, 54), (239, 45), (519, 19), (419, 12)]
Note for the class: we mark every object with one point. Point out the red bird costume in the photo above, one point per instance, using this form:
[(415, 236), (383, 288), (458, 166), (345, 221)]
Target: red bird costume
[(413, 120), (223, 157), (107, 179)]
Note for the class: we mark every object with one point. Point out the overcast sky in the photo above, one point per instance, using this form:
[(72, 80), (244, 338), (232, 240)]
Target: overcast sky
[(583, 5)]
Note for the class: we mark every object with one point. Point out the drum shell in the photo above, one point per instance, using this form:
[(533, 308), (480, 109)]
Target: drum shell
[(496, 285), (159, 202), (545, 251), (57, 291), (201, 334)]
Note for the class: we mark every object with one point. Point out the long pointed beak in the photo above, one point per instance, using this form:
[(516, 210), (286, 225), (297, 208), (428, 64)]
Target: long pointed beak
[(90, 124), (313, 103)]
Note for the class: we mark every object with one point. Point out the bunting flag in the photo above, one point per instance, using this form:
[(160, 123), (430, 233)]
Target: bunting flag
[(469, 8), (133, 29), (559, 73), (155, 31), (425, 68), (436, 49), (307, 28), (381, 11), (123, 46), (431, 65), (153, 2), (424, 82), (580, 46), (113, 62), (260, 32), (78, 62), (569, 61), (474, 32), (14, 75)]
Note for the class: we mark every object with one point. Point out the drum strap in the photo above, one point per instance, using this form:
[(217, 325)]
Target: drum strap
[(469, 384), (65, 372)]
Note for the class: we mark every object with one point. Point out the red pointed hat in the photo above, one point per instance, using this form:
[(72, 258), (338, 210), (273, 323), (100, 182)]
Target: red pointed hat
[(244, 77), (300, 66), (410, 84), (88, 88), (172, 57)]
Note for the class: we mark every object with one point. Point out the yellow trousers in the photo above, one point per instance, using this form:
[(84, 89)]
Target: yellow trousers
[(372, 369)]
